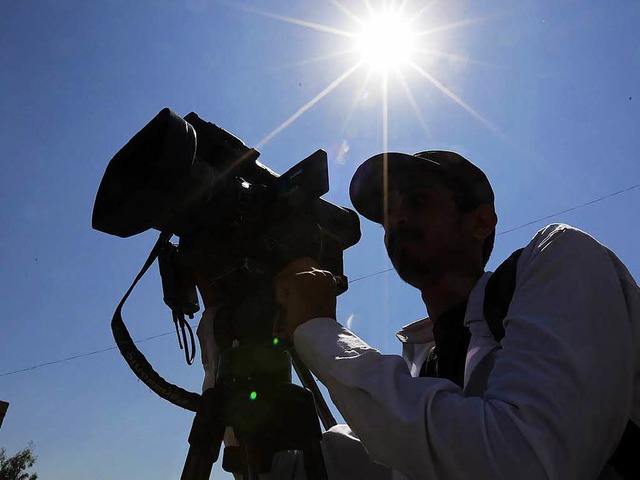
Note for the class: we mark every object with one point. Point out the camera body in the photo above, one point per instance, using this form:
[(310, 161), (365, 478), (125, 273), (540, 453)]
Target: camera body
[(239, 223)]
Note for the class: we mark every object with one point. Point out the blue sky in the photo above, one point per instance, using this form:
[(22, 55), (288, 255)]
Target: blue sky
[(543, 95)]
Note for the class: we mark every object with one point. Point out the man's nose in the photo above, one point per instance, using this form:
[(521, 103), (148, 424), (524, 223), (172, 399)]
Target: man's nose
[(396, 211)]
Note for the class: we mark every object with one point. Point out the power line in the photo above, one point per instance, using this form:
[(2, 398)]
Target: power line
[(546, 217), (591, 202), (82, 355)]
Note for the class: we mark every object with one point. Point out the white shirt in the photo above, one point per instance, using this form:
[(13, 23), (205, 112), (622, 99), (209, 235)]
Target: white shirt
[(554, 406)]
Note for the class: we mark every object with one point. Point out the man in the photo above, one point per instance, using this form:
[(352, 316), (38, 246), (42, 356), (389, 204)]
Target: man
[(551, 400)]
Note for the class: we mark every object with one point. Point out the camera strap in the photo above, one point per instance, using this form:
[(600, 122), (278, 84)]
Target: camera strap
[(134, 357)]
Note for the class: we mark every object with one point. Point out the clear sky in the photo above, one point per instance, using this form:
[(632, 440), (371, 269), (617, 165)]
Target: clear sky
[(543, 95)]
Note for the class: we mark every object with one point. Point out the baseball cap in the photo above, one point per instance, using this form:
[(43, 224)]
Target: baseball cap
[(403, 171)]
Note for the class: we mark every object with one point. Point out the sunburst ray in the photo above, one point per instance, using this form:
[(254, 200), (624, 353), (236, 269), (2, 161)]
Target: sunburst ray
[(414, 104), (455, 58), (318, 59), (297, 21), (346, 11), (308, 105), (450, 26), (443, 89)]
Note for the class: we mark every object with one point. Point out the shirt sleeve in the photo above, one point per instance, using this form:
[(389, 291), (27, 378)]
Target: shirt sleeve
[(209, 350), (556, 401)]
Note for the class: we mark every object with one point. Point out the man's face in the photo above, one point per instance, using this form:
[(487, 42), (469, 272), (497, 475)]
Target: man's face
[(425, 234)]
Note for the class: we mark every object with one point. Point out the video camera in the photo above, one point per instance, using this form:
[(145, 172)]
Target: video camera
[(239, 223)]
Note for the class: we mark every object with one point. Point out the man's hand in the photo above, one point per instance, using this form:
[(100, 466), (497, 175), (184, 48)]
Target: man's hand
[(305, 292), (210, 298)]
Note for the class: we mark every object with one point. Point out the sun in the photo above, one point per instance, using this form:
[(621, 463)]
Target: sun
[(385, 41)]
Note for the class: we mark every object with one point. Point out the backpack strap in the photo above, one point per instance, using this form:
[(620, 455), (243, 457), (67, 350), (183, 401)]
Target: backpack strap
[(625, 457), (498, 294), (497, 297)]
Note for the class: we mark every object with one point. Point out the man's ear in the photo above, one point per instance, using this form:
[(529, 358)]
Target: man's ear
[(484, 221)]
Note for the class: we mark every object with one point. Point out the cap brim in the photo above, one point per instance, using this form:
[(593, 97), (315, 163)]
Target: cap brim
[(387, 171)]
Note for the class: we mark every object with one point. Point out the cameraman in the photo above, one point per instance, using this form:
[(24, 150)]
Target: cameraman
[(550, 400)]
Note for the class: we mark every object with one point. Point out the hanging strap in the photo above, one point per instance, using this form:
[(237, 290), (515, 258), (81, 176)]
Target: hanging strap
[(136, 360), (498, 294), (182, 328)]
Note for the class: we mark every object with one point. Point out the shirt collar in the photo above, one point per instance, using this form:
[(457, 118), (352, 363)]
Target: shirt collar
[(422, 330), (417, 332), (475, 303)]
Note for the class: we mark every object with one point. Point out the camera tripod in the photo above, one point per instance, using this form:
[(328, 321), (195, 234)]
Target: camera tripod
[(254, 395)]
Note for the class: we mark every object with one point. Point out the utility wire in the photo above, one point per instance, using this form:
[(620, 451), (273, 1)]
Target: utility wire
[(569, 209), (547, 217), (82, 355)]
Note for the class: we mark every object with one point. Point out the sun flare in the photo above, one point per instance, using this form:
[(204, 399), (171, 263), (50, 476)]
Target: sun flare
[(386, 41)]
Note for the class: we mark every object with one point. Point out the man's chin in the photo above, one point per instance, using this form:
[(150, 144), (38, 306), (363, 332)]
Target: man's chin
[(411, 277), (411, 272)]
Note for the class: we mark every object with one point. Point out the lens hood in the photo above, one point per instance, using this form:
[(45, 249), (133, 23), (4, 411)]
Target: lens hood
[(151, 179)]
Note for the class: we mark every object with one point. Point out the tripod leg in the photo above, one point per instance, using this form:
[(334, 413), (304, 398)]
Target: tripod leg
[(198, 463), (314, 465), (307, 380), (205, 437), (247, 458)]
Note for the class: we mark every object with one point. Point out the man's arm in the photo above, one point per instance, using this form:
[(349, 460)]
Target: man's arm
[(557, 399), (345, 457)]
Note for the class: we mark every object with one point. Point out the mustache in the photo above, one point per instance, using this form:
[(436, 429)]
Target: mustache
[(398, 234)]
